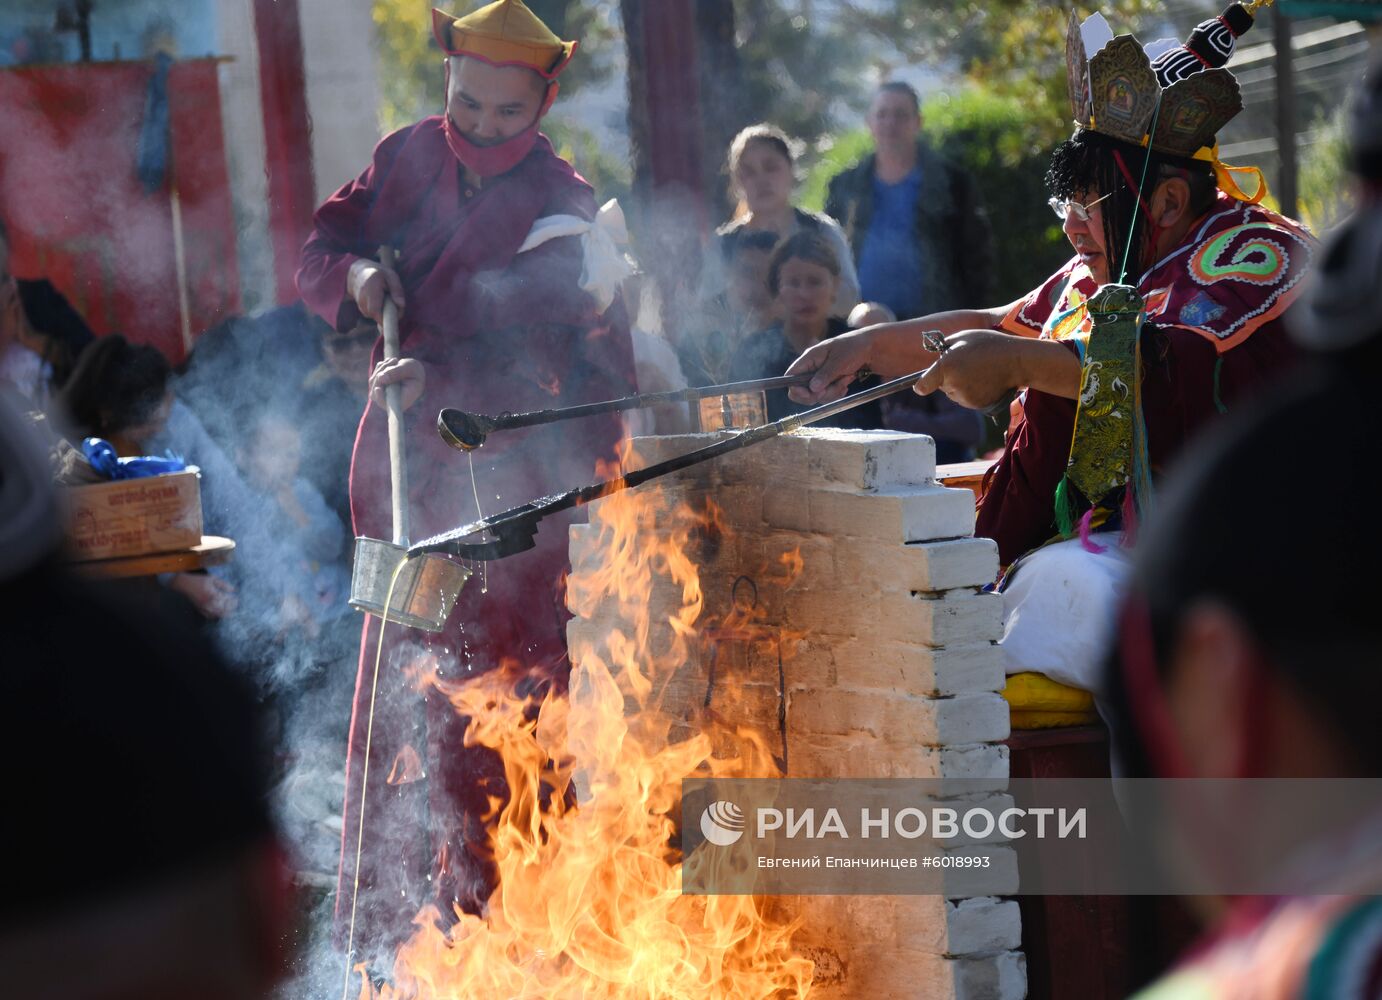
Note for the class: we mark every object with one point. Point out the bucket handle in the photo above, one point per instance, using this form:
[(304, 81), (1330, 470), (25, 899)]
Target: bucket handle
[(393, 398)]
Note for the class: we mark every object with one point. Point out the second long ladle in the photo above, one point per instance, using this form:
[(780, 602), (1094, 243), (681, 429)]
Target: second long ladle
[(468, 431), (512, 531)]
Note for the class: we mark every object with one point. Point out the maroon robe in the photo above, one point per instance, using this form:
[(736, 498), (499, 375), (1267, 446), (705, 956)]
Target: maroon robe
[(1213, 338), (495, 331)]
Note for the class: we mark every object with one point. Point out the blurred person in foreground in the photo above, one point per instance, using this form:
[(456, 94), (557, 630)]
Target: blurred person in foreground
[(505, 306), (163, 774), (1248, 646), (1117, 377), (803, 276), (761, 170)]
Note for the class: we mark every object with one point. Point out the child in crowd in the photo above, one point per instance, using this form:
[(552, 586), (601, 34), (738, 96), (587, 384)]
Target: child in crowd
[(745, 307), (761, 169), (803, 278), (301, 584)]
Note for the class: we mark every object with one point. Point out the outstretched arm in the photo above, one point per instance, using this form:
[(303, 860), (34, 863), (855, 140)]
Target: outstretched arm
[(890, 349), (979, 366)]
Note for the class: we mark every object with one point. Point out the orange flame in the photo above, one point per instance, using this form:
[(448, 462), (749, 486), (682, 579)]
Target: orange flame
[(407, 767), (589, 901)]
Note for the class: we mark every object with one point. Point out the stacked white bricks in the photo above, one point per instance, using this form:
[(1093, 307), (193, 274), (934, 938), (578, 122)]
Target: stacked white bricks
[(889, 669)]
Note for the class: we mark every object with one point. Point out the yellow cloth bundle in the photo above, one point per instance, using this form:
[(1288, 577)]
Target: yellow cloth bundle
[(1037, 702)]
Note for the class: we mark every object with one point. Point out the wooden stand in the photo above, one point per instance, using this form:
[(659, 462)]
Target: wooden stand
[(1091, 947), (965, 475), (213, 551)]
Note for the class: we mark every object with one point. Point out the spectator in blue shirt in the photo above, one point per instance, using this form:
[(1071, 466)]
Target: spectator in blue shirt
[(919, 233), (920, 237)]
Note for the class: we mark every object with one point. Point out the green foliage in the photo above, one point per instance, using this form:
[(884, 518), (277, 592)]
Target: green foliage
[(842, 152), (410, 65), (1000, 127), (1013, 48), (1325, 191), (996, 139), (608, 174), (795, 70)]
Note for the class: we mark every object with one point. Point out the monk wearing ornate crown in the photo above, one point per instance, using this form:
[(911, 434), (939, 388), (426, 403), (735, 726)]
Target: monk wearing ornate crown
[(1169, 314), (498, 313)]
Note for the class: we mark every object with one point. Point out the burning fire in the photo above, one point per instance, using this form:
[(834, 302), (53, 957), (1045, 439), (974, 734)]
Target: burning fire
[(589, 902)]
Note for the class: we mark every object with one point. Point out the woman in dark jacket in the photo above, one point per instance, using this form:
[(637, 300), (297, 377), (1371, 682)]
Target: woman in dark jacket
[(761, 171)]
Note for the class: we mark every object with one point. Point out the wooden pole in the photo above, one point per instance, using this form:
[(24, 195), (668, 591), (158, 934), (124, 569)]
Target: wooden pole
[(393, 397), (287, 137), (1287, 172), (668, 149)]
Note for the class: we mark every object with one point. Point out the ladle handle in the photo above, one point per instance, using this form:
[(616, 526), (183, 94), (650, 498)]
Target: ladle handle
[(524, 518), (510, 421), (393, 397)]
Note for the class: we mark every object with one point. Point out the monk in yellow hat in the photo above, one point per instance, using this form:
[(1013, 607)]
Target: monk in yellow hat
[(490, 322)]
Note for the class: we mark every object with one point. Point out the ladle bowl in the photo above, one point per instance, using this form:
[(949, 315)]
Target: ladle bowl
[(466, 431)]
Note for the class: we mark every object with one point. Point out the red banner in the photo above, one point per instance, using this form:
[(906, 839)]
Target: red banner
[(157, 266), (287, 142)]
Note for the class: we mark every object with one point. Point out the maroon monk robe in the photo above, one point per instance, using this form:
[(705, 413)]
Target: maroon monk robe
[(495, 331)]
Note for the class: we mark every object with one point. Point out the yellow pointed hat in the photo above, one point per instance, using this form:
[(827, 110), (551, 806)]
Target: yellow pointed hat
[(505, 33)]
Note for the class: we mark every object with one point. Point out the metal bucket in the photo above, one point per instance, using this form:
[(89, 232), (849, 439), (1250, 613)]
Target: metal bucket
[(424, 593)]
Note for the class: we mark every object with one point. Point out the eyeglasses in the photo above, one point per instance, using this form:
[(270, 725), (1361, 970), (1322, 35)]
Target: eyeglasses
[(1064, 209)]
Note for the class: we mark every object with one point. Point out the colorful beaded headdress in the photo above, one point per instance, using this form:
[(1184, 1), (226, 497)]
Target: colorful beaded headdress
[(1175, 96)]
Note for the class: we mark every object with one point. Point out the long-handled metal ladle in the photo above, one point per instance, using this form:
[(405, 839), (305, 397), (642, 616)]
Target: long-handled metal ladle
[(468, 431), (513, 530)]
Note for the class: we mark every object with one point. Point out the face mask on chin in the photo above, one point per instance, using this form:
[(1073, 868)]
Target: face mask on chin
[(500, 158), (491, 161)]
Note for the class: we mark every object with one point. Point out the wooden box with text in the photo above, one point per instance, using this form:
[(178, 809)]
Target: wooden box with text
[(134, 517)]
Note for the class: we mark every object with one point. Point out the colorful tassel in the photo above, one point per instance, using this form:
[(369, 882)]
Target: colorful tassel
[(1129, 537), (1065, 509), (1218, 400), (1087, 543)]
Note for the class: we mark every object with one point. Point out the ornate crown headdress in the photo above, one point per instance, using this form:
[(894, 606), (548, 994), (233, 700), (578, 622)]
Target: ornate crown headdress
[(1116, 82)]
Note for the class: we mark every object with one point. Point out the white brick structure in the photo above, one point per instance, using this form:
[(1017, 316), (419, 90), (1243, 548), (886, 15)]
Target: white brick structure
[(871, 649)]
